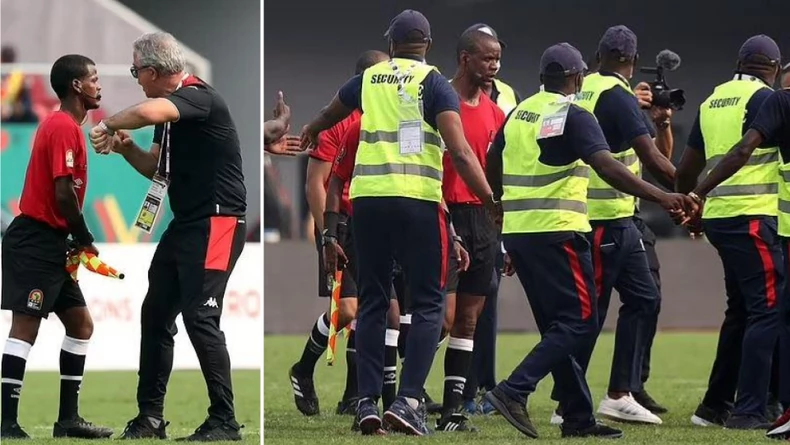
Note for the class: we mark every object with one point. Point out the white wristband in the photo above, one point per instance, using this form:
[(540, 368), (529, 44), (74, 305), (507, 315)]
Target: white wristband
[(105, 128)]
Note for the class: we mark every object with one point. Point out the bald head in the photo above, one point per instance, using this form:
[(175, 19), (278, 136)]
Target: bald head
[(368, 59)]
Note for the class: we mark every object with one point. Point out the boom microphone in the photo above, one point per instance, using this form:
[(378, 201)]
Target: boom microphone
[(667, 59)]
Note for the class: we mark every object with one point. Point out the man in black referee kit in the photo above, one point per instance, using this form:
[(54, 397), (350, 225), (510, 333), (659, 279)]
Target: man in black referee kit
[(196, 159), (35, 281)]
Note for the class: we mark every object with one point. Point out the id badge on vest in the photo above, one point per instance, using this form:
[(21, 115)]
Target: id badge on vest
[(155, 198), (410, 137), (553, 124)]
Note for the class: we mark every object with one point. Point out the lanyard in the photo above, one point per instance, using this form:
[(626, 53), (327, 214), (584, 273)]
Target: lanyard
[(165, 144), (401, 76)]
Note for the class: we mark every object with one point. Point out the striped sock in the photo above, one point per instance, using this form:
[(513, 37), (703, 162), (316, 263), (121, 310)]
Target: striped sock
[(315, 346), (72, 367), (388, 391), (456, 366), (13, 372)]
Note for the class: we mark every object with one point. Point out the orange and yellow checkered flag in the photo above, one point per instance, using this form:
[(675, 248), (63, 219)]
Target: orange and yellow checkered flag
[(334, 315), (92, 263)]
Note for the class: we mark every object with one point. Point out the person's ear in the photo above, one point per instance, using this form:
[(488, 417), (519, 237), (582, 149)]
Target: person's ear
[(77, 85), (430, 44)]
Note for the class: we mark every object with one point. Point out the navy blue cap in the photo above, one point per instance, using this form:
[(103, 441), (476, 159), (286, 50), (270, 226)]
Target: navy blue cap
[(618, 40), (406, 22), (562, 59), (485, 29), (760, 45)]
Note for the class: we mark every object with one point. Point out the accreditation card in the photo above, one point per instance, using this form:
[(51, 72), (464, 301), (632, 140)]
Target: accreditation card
[(152, 204)]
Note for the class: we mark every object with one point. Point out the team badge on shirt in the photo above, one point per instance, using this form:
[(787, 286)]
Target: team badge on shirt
[(69, 159), (34, 299)]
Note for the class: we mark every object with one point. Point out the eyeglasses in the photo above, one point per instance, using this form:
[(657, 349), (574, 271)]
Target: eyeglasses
[(136, 71)]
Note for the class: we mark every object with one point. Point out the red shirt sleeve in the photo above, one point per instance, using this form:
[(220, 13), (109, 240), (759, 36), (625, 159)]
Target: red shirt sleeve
[(64, 147), (346, 157), (328, 145)]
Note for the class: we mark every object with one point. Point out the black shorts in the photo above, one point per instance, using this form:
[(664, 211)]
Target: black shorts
[(35, 281), (348, 285), (192, 265), (476, 228)]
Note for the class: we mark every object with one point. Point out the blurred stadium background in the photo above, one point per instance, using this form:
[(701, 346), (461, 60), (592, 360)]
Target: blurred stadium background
[(222, 44)]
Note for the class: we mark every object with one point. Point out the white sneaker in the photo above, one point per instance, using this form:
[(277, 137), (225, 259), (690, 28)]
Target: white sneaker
[(556, 419), (627, 409)]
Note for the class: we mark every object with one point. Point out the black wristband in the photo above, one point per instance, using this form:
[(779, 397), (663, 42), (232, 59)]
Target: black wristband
[(81, 234), (331, 220)]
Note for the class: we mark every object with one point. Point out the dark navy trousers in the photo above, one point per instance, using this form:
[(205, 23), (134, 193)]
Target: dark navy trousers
[(649, 240), (754, 276), (620, 262), (414, 233), (555, 270), (784, 332)]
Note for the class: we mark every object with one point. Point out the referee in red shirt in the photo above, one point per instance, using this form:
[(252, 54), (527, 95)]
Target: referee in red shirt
[(319, 168), (35, 281), (478, 54)]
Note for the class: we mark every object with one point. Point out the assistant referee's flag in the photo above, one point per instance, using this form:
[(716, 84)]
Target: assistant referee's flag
[(92, 263), (334, 315)]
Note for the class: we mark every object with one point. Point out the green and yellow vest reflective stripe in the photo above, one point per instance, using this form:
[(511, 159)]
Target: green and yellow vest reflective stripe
[(538, 197), (380, 169), (506, 100), (784, 200), (753, 189), (604, 201)]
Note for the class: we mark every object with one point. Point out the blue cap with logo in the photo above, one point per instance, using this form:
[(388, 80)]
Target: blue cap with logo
[(618, 40), (407, 22), (562, 59), (760, 47)]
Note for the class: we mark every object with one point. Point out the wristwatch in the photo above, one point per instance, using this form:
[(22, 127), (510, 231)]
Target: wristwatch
[(663, 125), (458, 239), (106, 129)]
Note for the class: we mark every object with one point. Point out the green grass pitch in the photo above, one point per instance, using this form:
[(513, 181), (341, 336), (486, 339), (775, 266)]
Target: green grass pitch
[(681, 361), (108, 399)]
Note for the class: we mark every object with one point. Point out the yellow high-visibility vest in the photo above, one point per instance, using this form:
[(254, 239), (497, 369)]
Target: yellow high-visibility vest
[(389, 163), (539, 197)]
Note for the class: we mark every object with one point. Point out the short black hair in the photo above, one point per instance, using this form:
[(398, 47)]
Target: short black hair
[(368, 59), (65, 70), (469, 42)]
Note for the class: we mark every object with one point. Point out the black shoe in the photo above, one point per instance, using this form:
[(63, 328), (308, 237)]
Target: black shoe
[(454, 422), (80, 428), (595, 430), (145, 427), (347, 407), (367, 419), (643, 398), (515, 412), (431, 407), (213, 430), (304, 393), (12, 431), (705, 416), (402, 418), (747, 423)]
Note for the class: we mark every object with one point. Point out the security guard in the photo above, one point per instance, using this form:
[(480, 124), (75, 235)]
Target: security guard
[(396, 192), (539, 165), (619, 257), (739, 219)]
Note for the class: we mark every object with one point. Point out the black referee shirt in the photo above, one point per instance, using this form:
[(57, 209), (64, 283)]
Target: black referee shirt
[(206, 175)]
